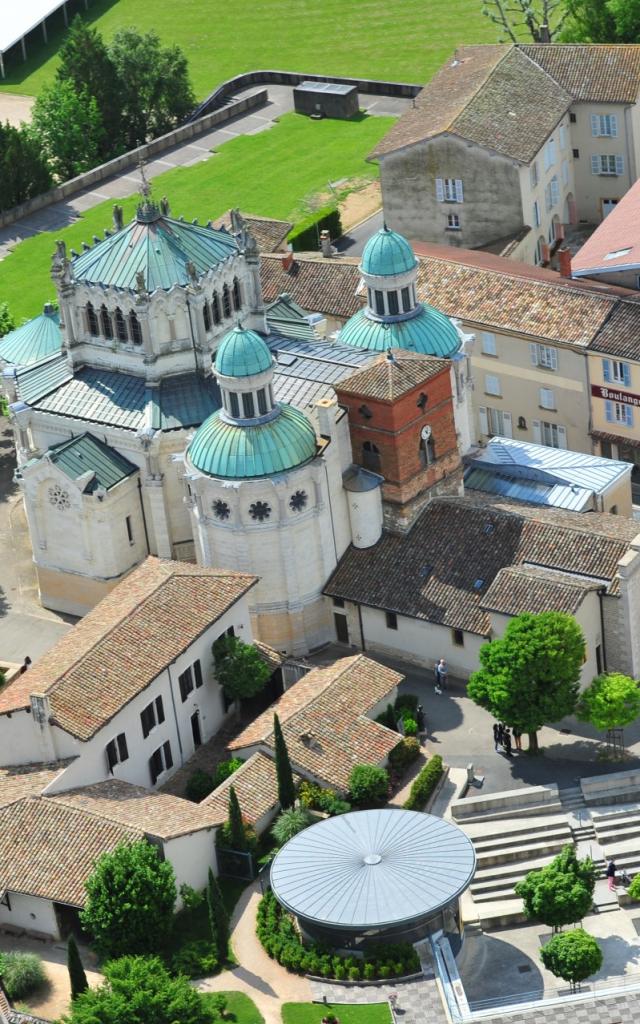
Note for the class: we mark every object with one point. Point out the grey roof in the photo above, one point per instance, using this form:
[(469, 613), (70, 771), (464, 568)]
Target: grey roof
[(373, 868), (306, 371), (42, 378), (88, 454), (336, 88)]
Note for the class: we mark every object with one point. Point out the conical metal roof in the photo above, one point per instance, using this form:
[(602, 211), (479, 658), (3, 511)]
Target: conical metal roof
[(33, 341), (430, 333)]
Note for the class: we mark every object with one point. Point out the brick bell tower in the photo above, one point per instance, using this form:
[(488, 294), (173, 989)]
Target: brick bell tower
[(402, 426)]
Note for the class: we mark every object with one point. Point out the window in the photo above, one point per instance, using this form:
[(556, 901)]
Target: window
[(457, 637), (606, 450), (544, 356), (572, 118), (392, 620), (607, 164), (226, 301), (151, 716), (565, 172), (262, 401), (449, 190), (156, 763), (453, 222), (576, 154), (371, 456), (92, 321), (237, 294), (379, 297), (533, 172), (392, 299), (185, 682), (536, 214), (215, 308), (492, 384), (555, 191), (117, 751), (551, 434), (616, 372), (619, 412), (406, 300), (546, 398), (234, 404), (489, 344), (604, 125), (338, 602), (206, 316), (197, 674), (248, 408), (563, 136), (129, 529), (135, 329), (495, 422), (549, 154), (121, 326), (105, 322)]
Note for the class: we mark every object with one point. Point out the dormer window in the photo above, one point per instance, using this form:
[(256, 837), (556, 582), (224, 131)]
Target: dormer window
[(105, 323), (121, 326), (134, 327)]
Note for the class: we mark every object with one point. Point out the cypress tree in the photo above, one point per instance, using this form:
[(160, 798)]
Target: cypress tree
[(218, 917), (77, 977), (286, 787), (213, 925), (237, 835)]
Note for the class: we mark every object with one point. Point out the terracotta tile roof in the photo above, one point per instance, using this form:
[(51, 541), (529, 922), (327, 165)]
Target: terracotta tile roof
[(619, 233), (272, 658), (256, 787), (389, 379), (608, 73), (5, 1006), (318, 285), (521, 588), (155, 814), (22, 780), (120, 647), (268, 233), (324, 723), (48, 850), (441, 570)]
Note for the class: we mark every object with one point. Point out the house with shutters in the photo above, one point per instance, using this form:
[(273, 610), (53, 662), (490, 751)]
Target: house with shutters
[(509, 144)]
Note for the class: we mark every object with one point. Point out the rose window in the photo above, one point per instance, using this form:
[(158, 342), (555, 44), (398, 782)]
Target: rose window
[(58, 497), (298, 501), (260, 510), (221, 510)]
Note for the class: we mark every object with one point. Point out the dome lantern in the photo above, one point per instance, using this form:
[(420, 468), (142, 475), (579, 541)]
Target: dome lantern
[(244, 368)]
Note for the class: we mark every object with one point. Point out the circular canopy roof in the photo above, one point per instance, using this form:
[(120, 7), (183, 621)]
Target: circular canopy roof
[(430, 333), (373, 869), (387, 254), (34, 340), (242, 353)]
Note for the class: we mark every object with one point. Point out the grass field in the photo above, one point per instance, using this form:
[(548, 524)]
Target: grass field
[(240, 1009), (269, 173), (312, 1013), (404, 41)]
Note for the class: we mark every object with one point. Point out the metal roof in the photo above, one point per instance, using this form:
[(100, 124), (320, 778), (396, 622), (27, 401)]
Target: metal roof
[(430, 333), (242, 353), (39, 379), (86, 453), (387, 254), (337, 88), (35, 340), (369, 869), (308, 371)]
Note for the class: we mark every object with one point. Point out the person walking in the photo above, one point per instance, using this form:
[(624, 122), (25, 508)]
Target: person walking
[(443, 672), (506, 742), (611, 874), (517, 736), (436, 672), (496, 735)]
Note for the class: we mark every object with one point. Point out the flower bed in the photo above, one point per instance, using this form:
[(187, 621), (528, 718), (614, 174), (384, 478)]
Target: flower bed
[(424, 784)]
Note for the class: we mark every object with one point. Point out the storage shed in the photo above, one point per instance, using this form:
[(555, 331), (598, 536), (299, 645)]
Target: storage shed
[(330, 99)]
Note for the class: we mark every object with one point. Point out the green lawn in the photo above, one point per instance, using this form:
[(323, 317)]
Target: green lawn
[(240, 1009), (269, 173), (312, 1013), (369, 38)]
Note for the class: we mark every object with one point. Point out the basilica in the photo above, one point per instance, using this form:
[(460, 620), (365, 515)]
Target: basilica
[(178, 415)]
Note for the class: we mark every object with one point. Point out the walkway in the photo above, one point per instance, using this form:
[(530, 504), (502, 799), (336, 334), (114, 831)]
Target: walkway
[(58, 215)]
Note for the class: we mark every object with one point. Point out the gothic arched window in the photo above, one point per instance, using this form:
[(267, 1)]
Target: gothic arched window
[(237, 295), (215, 308), (206, 315), (121, 326), (226, 301), (92, 321), (105, 322), (134, 326)]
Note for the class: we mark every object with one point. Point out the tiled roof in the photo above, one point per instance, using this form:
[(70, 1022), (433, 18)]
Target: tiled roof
[(620, 334), (606, 73), (88, 454), (390, 378), (316, 284), (522, 588), (22, 780), (123, 643), (440, 571), (268, 233), (155, 814), (615, 243), (255, 785), (49, 850), (272, 658), (324, 723)]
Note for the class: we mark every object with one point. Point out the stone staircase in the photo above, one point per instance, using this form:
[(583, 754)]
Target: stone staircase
[(617, 828)]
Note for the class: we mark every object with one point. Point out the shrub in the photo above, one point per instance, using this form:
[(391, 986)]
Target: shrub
[(404, 754), (572, 956), (224, 769), (191, 898), (315, 798), (410, 727), (289, 823), (309, 794), (424, 784), (369, 972), (406, 702), (195, 959), (22, 974), (224, 839), (368, 785), (218, 1003), (199, 785), (634, 888), (388, 718), (305, 236)]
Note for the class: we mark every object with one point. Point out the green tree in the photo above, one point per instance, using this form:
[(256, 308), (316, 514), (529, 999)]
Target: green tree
[(237, 834), (239, 668), (572, 956), (69, 124), (131, 895), (24, 171), (154, 82), (86, 64), (530, 675), (286, 785), (560, 893), (520, 20), (218, 918), (602, 21), (368, 785), (140, 990), (289, 823), (7, 323), (77, 977), (611, 702)]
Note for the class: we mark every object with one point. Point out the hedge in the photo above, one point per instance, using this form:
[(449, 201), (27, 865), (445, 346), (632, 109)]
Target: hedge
[(424, 784), (277, 933), (305, 236)]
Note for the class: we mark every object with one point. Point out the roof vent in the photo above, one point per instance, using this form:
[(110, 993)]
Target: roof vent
[(426, 571), (478, 584), (488, 528)]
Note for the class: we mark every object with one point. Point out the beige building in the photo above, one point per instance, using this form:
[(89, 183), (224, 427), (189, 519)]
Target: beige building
[(612, 253), (507, 145)]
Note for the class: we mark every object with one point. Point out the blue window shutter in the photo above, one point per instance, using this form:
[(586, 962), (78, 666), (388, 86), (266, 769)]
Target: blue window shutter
[(619, 165), (629, 414), (595, 125), (613, 121), (606, 370), (626, 371), (608, 408)]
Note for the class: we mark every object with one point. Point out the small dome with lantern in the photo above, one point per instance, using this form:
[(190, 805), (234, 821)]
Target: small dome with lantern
[(387, 254), (242, 353)]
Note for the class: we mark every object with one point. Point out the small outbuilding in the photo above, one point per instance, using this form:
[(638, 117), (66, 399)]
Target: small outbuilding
[(386, 875), (329, 99)]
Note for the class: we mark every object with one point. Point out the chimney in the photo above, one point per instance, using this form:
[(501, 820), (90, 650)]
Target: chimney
[(325, 244), (564, 262), (287, 261), (544, 35)]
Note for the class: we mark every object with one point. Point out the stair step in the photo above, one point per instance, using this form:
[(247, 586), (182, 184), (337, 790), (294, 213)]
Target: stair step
[(513, 813), (520, 852), (561, 833), (516, 869), (490, 915)]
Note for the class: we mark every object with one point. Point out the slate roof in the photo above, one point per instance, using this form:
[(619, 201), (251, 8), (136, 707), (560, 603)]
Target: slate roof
[(286, 317), (388, 379), (270, 234), (256, 786), (608, 73), (324, 723), (123, 643), (620, 335), (313, 282), (307, 371), (520, 588), (18, 781), (84, 454), (441, 570), (48, 850)]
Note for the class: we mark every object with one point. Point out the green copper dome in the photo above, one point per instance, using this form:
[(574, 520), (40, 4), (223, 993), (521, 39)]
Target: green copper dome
[(430, 333), (242, 354), (35, 340), (387, 254), (237, 452)]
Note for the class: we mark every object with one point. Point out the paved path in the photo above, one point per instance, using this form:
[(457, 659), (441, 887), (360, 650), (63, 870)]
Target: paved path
[(355, 240), (15, 108), (53, 999), (193, 151)]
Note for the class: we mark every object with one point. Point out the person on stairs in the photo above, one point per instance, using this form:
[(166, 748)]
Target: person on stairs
[(611, 875)]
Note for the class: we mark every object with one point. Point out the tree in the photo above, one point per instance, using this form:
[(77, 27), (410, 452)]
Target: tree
[(368, 785), (539, 19), (286, 785), (218, 918), (237, 834), (560, 893), (572, 956), (140, 990), (7, 323), (77, 977), (131, 895), (69, 124), (239, 668), (611, 702), (154, 82), (289, 823), (530, 675), (86, 64), (602, 21), (24, 171)]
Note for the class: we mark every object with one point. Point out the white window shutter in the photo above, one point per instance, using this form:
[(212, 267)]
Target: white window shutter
[(619, 165), (554, 358), (541, 397), (555, 191), (440, 190), (595, 164), (537, 432), (459, 193), (595, 125), (484, 420), (613, 121), (507, 424), (562, 437), (533, 349)]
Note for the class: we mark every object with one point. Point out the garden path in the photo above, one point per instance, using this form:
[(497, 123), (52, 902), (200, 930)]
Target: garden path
[(53, 999)]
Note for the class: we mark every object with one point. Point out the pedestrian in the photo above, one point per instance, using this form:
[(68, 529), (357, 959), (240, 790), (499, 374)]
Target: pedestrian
[(506, 742), (420, 717), (517, 735), (501, 733), (436, 672), (25, 664), (496, 735), (443, 672), (611, 874)]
